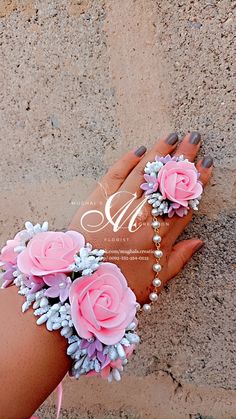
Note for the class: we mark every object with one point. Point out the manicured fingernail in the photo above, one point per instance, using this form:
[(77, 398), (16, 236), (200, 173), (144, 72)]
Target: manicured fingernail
[(172, 138), (199, 246), (207, 162), (140, 151), (194, 138)]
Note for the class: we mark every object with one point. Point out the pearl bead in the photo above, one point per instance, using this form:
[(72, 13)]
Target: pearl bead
[(150, 185), (147, 308), (156, 267), (62, 285), (154, 211), (156, 282), (156, 224), (156, 238), (153, 296), (158, 253), (138, 306)]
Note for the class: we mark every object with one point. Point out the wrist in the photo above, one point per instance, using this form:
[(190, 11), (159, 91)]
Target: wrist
[(32, 360)]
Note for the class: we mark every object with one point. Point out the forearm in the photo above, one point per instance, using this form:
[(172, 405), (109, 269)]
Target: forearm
[(33, 360)]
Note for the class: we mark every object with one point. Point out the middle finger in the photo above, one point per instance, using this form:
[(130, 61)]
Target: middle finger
[(190, 145), (164, 146)]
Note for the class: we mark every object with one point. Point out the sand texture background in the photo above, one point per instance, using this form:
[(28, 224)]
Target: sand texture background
[(80, 83)]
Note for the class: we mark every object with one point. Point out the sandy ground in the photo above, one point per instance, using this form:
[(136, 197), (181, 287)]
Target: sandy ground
[(82, 81)]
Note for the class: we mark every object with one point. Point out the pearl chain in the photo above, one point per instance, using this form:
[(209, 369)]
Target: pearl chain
[(153, 296)]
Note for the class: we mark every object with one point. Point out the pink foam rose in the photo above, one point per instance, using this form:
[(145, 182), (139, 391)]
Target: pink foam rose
[(102, 304), (8, 259), (50, 252), (178, 182), (7, 252)]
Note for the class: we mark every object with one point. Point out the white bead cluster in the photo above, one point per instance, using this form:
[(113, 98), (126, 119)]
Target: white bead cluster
[(58, 316), (82, 364), (88, 260), (193, 203), (159, 205), (55, 317), (152, 168), (29, 232)]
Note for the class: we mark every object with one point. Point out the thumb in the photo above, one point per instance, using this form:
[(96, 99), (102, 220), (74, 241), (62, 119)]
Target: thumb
[(181, 254)]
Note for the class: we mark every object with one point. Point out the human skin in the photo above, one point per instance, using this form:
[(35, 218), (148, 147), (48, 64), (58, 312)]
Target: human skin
[(33, 360)]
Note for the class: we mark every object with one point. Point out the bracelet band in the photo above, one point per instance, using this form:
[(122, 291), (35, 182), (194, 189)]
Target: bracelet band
[(71, 289)]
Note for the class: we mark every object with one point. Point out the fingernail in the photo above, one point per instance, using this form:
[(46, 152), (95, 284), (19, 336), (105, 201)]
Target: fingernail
[(199, 246), (207, 162), (140, 151), (195, 137), (172, 138)]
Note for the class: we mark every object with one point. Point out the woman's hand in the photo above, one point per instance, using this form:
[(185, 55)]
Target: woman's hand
[(125, 177), (40, 353)]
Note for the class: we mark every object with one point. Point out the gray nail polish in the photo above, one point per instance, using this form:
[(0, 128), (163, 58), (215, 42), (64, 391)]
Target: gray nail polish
[(207, 162), (172, 138), (194, 138), (140, 151), (199, 246)]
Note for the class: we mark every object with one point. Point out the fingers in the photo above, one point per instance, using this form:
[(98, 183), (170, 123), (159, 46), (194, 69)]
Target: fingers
[(205, 167), (120, 170), (129, 170), (165, 145), (178, 224), (189, 146), (181, 254)]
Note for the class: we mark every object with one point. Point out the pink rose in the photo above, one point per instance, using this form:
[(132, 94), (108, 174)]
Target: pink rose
[(178, 182), (50, 252), (102, 305), (8, 260), (7, 252)]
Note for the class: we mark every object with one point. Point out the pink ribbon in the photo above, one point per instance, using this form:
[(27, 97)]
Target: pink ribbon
[(59, 401), (59, 398)]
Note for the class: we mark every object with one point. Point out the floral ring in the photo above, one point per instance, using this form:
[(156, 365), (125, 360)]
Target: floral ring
[(172, 185)]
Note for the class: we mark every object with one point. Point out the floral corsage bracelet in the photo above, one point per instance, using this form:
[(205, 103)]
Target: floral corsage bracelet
[(70, 288)]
